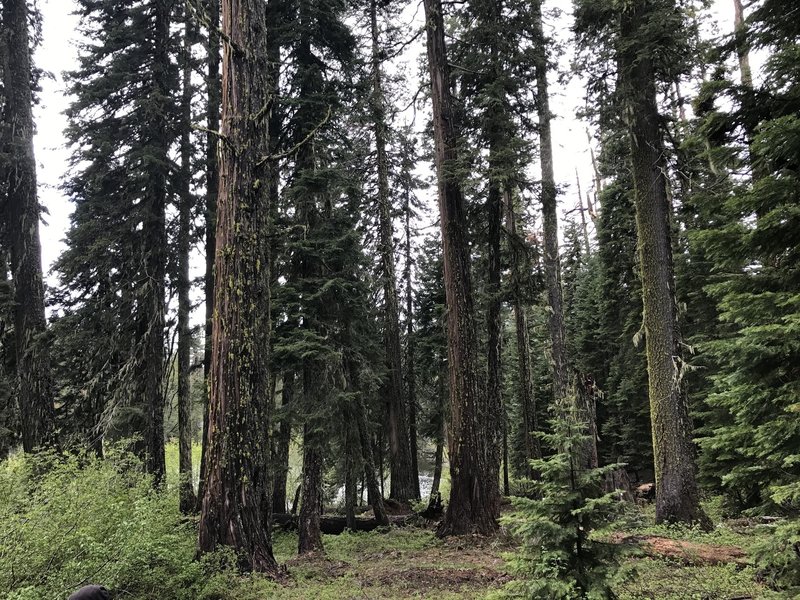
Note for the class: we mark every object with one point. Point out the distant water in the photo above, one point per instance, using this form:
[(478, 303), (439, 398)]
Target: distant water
[(425, 485)]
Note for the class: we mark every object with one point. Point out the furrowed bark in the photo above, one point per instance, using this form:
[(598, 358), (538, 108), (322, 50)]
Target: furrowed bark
[(212, 191), (237, 477), (677, 498), (474, 431)]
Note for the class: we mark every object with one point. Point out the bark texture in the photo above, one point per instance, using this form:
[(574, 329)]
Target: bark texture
[(237, 478), (474, 431), (310, 535), (677, 498), (35, 389), (212, 191)]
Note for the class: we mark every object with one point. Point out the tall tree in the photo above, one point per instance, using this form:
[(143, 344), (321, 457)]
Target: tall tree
[(35, 390), (474, 422), (552, 263), (113, 271), (188, 499), (677, 497), (752, 432), (405, 480), (237, 478), (213, 93)]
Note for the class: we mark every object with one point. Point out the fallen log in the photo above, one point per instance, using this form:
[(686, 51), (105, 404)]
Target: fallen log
[(334, 525), (690, 553)]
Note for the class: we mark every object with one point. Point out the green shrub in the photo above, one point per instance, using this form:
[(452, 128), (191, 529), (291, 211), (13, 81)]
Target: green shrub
[(70, 520)]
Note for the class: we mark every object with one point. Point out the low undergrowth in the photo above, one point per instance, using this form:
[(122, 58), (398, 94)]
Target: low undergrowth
[(67, 521)]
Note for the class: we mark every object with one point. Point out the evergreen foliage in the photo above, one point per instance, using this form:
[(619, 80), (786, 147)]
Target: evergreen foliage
[(559, 558), (752, 434), (123, 122)]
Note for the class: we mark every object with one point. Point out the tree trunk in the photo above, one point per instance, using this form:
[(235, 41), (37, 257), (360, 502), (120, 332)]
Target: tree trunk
[(310, 538), (403, 486), (474, 432), (212, 189), (438, 461), (527, 399), (152, 282), (188, 501), (352, 466), (677, 498), (552, 263), (742, 50), (494, 210), (373, 486), (280, 458), (35, 387), (237, 476), (411, 380)]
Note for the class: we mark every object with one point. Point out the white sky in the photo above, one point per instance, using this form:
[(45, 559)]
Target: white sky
[(58, 54)]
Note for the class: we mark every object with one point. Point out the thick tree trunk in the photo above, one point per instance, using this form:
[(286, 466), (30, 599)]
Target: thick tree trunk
[(154, 249), (475, 423), (237, 476), (403, 484), (188, 501), (280, 458), (552, 263), (35, 388), (677, 498), (212, 190)]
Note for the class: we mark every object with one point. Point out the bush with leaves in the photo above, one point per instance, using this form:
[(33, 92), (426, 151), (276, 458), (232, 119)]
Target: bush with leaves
[(558, 558), (70, 520)]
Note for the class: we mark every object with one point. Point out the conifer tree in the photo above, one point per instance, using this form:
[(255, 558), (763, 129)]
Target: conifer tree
[(20, 232), (114, 270), (677, 497), (474, 421), (751, 431), (213, 101), (237, 478), (188, 499), (558, 557), (405, 480)]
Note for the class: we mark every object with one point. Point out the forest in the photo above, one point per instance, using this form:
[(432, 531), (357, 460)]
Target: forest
[(326, 323)]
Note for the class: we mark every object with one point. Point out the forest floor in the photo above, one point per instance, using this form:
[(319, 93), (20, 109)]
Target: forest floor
[(411, 562)]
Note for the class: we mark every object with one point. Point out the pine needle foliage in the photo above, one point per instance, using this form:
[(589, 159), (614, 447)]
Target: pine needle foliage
[(558, 557)]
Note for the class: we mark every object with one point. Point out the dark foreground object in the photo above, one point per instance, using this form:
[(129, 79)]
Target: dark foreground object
[(91, 592)]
